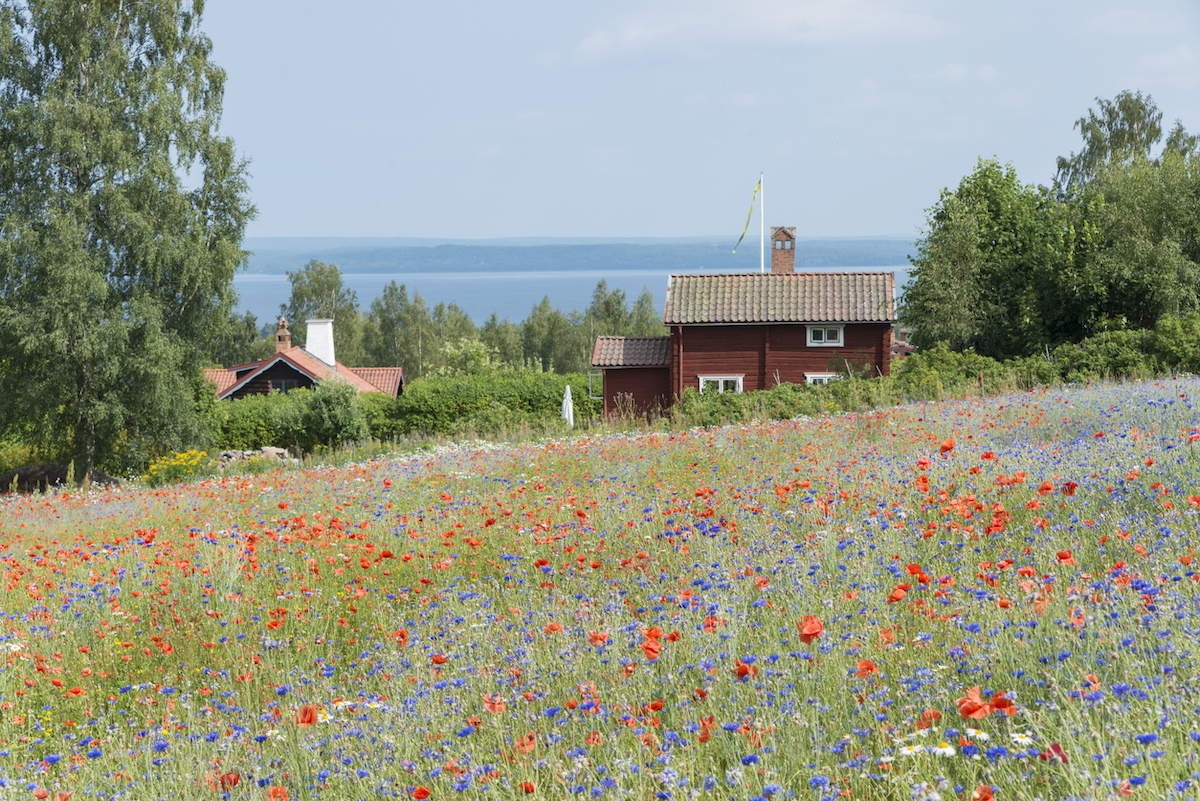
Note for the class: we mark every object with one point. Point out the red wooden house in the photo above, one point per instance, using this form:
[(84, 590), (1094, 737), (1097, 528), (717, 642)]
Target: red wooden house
[(300, 367), (741, 332)]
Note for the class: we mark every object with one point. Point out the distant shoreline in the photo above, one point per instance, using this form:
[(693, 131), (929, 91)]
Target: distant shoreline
[(510, 279)]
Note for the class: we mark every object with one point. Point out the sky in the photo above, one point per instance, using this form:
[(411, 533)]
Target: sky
[(654, 119)]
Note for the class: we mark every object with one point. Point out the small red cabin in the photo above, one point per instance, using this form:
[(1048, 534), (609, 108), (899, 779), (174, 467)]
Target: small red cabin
[(741, 332)]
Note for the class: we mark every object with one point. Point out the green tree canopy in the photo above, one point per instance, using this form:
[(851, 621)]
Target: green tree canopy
[(1122, 129), (318, 293), (122, 212), (982, 268)]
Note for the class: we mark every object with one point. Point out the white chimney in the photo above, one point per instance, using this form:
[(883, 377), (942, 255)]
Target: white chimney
[(320, 341)]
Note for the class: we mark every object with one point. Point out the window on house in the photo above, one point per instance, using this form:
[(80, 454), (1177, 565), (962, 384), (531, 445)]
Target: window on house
[(720, 383), (825, 336), (284, 385), (821, 378)]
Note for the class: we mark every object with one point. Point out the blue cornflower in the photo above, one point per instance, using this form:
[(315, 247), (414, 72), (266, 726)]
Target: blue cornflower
[(1146, 739)]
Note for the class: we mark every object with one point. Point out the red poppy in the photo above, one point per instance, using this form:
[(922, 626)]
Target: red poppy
[(306, 716), (597, 638), (810, 629), (1054, 752), (652, 648), (1069, 488), (421, 792), (229, 780), (277, 793), (527, 787), (972, 707), (494, 703), (865, 668), (947, 446), (982, 793), (1065, 557)]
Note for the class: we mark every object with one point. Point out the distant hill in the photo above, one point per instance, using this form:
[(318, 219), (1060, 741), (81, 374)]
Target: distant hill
[(693, 254)]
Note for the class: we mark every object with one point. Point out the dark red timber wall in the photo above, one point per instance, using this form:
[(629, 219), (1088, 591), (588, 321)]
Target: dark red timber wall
[(760, 351), (650, 388)]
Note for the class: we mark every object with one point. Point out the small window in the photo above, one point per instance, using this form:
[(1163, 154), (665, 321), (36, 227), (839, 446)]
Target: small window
[(720, 383), (778, 245), (821, 378), (283, 385), (825, 336)]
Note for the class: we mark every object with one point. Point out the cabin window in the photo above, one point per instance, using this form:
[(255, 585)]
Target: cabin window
[(821, 378), (825, 336), (720, 383), (283, 385)]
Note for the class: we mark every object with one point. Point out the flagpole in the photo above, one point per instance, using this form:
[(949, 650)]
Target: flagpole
[(762, 225)]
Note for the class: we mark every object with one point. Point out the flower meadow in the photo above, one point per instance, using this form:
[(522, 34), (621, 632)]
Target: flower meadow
[(971, 599)]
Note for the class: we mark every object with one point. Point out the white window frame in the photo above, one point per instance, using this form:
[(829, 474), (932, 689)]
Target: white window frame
[(821, 378), (722, 380), (823, 333)]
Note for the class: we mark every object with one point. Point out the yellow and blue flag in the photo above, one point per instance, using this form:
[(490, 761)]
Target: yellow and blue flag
[(757, 187)]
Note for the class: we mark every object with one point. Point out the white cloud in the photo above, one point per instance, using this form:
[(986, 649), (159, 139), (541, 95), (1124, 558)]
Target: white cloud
[(695, 25)]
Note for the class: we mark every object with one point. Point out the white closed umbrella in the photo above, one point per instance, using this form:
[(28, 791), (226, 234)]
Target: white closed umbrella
[(568, 407)]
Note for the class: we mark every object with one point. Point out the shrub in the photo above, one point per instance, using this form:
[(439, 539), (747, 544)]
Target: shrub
[(301, 420), (179, 467), (1111, 355), (16, 454), (1177, 341), (331, 417), (487, 402)]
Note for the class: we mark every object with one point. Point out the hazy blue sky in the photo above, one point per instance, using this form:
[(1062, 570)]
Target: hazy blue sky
[(486, 119)]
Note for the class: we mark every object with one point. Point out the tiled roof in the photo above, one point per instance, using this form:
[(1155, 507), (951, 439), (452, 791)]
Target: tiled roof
[(780, 298), (361, 378), (224, 379), (631, 352), (386, 379)]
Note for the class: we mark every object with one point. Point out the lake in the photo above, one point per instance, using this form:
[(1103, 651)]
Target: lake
[(510, 294)]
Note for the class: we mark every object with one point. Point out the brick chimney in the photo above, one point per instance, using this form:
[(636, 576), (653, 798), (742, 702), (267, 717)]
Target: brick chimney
[(283, 337), (783, 250)]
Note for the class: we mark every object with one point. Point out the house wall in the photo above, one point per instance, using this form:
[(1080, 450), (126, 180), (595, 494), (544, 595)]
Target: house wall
[(759, 352), (261, 384), (649, 386)]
